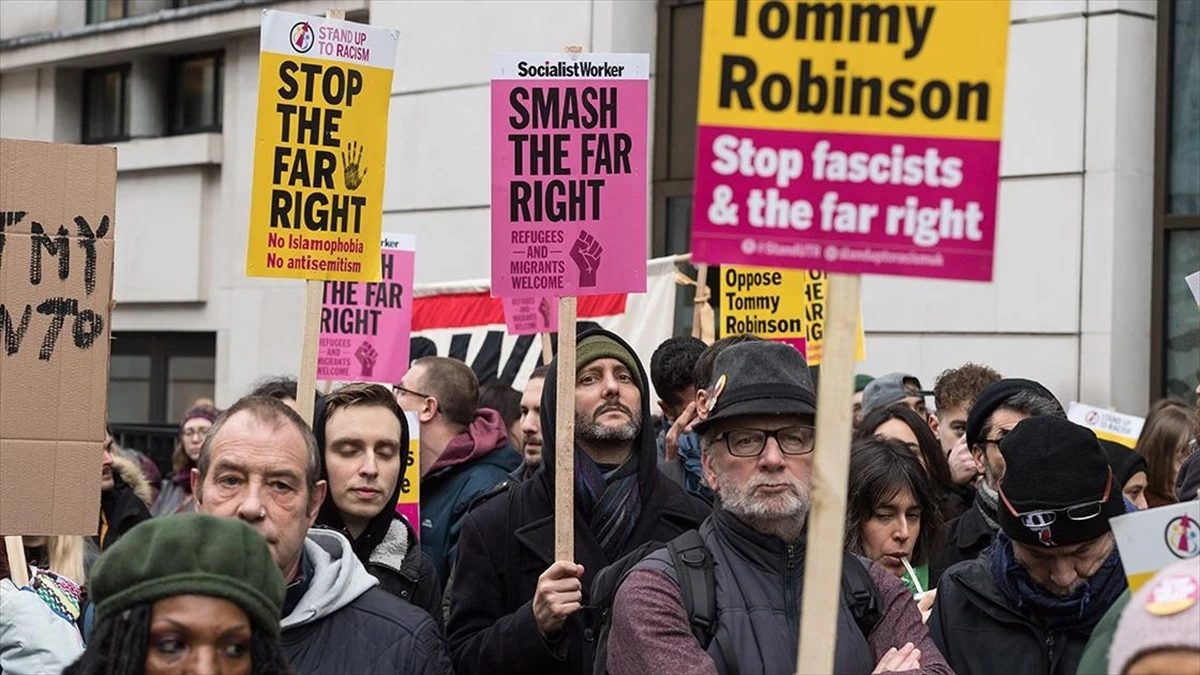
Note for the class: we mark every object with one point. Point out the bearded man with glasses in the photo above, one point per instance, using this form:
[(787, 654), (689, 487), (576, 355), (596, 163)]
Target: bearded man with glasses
[(1029, 604), (757, 442)]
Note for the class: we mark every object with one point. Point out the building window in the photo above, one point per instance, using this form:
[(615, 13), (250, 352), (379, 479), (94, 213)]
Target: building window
[(1175, 331), (106, 10), (155, 377), (195, 94), (106, 104), (191, 3)]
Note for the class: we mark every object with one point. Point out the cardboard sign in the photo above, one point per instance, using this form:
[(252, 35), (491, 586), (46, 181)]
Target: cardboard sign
[(316, 207), (569, 178), (409, 504), (530, 316), (855, 137), (365, 327), (1154, 539), (57, 224), (1108, 425), (781, 305)]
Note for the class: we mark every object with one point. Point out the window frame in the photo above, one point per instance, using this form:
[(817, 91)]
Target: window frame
[(1164, 222), (160, 347), (124, 70), (174, 84), (91, 19)]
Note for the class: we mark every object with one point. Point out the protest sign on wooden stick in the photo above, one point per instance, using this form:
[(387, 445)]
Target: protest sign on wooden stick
[(564, 434)]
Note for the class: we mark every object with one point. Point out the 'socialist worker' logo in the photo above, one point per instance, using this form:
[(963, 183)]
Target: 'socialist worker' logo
[(302, 37)]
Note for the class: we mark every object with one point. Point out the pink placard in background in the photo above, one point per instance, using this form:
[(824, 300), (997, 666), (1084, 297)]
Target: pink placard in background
[(530, 316), (569, 181), (365, 327)]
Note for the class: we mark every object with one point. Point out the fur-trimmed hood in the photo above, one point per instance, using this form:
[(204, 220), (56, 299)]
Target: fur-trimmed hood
[(132, 475)]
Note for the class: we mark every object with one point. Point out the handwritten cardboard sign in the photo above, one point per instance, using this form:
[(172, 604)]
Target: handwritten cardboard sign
[(851, 137), (530, 316), (779, 304), (365, 327), (569, 154), (57, 223), (316, 208)]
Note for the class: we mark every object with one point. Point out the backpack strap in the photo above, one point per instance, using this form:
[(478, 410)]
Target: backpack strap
[(693, 564), (860, 594)]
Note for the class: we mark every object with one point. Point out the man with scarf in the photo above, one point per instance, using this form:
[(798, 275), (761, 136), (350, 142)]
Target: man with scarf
[(1030, 603), (995, 412), (363, 439), (520, 610)]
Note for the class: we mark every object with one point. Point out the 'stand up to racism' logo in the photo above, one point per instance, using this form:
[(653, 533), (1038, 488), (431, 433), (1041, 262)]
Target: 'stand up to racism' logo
[(302, 37), (1183, 536)]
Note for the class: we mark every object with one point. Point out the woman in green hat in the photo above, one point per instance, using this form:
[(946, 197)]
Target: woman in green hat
[(184, 594)]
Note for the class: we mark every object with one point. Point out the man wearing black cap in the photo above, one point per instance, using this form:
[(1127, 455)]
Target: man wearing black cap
[(995, 413), (1029, 604), (757, 440), (518, 610)]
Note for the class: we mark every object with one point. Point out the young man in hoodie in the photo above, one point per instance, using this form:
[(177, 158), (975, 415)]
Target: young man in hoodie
[(363, 437), (465, 451), (521, 611), (260, 463)]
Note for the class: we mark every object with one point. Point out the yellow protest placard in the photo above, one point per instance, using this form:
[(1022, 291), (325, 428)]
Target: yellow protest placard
[(775, 304), (918, 68), (316, 210)]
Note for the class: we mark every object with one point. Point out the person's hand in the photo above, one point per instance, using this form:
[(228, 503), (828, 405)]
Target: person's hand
[(559, 594), (351, 163), (925, 604), (683, 424), (963, 469), (367, 357), (586, 253), (895, 660)]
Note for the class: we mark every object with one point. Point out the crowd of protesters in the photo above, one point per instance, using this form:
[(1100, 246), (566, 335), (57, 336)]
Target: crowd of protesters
[(977, 536)]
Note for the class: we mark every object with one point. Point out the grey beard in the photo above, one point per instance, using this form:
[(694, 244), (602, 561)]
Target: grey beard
[(785, 521), (596, 432)]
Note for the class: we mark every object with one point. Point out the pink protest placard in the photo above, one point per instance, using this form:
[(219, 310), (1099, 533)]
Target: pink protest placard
[(569, 180), (530, 316), (365, 327), (922, 207)]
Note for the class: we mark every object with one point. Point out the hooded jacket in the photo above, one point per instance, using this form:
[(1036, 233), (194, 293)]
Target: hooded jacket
[(387, 546), (507, 542), (473, 463), (344, 623), (125, 505)]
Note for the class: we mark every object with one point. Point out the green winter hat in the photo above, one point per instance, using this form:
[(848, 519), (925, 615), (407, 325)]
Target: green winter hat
[(601, 346), (190, 554)]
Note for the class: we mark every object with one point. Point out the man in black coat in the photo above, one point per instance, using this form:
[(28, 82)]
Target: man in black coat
[(363, 437), (514, 608), (260, 463), (120, 506)]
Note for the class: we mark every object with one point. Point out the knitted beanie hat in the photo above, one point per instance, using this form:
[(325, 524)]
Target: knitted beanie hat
[(594, 347), (190, 554), (1164, 614), (199, 412), (1058, 489)]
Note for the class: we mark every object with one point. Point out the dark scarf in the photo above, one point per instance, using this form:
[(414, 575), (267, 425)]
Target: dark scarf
[(987, 500), (609, 500), (1081, 612)]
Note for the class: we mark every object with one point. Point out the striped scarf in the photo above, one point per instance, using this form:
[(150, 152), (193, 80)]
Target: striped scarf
[(609, 501), (60, 593)]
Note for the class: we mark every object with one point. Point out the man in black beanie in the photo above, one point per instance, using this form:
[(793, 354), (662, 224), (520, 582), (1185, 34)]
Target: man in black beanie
[(1030, 602), (996, 411)]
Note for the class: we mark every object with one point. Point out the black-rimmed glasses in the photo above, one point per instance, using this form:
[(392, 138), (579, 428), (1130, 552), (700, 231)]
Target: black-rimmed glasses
[(797, 440)]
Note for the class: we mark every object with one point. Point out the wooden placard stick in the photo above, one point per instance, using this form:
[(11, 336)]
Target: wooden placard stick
[(547, 349), (564, 434), (830, 475), (18, 567), (313, 296)]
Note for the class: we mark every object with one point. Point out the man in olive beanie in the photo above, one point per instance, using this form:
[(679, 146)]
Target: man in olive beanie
[(1032, 600), (519, 609)]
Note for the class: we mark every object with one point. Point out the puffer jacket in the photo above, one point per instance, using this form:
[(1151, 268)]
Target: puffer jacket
[(33, 639)]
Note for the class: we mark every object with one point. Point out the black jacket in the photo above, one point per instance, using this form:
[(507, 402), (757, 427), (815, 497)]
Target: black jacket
[(407, 574), (122, 508), (978, 632), (507, 542), (967, 536)]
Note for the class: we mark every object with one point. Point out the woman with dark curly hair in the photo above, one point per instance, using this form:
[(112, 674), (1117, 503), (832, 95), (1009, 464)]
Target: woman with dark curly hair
[(892, 514), (900, 423), (186, 593)]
